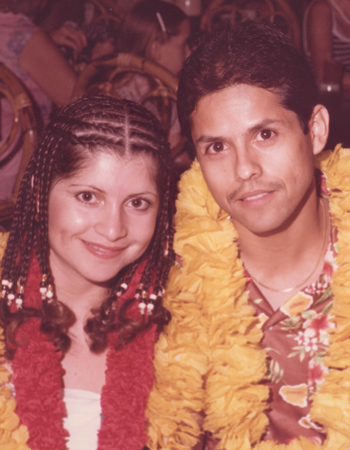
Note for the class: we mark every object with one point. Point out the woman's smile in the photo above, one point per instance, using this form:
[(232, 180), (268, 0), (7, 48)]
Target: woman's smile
[(102, 218), (101, 251)]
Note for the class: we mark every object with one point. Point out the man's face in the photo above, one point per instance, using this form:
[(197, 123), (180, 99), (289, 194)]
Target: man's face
[(255, 158)]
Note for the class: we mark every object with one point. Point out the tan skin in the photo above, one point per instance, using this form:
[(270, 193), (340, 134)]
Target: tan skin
[(282, 257), (258, 165)]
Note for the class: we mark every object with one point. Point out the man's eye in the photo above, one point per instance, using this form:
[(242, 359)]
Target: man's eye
[(266, 135), (216, 147)]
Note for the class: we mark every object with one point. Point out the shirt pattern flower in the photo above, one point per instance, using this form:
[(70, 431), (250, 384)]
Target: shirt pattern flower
[(296, 338)]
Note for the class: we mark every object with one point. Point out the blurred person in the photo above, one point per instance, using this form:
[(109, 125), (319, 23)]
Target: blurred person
[(100, 31), (327, 45), (33, 55), (156, 30), (327, 37), (159, 31)]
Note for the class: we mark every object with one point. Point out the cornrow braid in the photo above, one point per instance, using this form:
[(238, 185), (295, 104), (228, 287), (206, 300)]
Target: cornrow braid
[(86, 127)]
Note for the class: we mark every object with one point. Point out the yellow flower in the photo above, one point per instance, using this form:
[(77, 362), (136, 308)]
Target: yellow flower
[(209, 363)]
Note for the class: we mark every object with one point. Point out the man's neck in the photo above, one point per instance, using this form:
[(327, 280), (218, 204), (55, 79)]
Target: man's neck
[(291, 258)]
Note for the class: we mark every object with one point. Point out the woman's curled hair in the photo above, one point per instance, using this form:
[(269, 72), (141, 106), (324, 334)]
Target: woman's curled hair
[(90, 125)]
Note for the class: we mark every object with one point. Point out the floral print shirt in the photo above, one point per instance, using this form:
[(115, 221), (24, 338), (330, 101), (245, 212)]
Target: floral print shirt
[(296, 339)]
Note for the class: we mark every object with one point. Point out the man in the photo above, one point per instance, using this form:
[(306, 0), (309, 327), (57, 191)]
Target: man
[(257, 353)]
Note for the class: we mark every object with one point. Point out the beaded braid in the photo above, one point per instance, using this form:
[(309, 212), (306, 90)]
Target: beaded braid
[(159, 259), (90, 125)]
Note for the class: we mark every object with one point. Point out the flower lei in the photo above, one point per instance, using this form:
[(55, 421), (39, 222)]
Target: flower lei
[(209, 359), (34, 419)]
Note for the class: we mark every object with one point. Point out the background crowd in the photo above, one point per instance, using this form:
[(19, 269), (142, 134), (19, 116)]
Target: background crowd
[(49, 46)]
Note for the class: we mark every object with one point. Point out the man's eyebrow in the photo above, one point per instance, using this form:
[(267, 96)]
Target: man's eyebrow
[(206, 139), (265, 123)]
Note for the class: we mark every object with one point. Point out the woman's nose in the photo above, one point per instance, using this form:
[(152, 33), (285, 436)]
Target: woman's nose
[(111, 224)]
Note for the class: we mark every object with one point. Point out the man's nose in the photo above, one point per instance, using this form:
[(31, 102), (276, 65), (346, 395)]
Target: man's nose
[(246, 163)]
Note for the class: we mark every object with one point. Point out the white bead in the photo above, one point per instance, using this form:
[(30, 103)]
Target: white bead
[(142, 307), (150, 308)]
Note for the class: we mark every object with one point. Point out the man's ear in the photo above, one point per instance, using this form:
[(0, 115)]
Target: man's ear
[(319, 128)]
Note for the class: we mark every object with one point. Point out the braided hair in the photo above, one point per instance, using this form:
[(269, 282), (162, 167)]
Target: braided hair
[(92, 124)]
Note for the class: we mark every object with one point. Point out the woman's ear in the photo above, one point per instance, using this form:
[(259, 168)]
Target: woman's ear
[(155, 51), (319, 128)]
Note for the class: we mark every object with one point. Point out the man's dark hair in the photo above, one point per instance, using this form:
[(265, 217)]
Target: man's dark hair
[(253, 54)]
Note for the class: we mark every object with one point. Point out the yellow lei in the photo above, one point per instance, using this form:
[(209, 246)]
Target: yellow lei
[(209, 358), (13, 436)]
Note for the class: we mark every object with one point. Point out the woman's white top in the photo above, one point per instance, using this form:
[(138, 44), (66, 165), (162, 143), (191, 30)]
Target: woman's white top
[(83, 418)]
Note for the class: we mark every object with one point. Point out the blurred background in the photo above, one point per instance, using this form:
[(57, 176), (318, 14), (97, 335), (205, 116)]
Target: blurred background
[(53, 51)]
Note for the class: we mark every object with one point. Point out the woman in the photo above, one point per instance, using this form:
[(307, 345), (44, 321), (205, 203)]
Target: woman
[(82, 279), (159, 31)]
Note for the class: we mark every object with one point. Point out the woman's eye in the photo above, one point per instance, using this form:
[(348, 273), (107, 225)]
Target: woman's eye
[(86, 197), (139, 203)]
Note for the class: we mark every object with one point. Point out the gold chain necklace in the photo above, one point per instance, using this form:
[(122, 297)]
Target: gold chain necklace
[(302, 283)]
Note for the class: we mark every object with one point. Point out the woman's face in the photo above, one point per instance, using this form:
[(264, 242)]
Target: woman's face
[(175, 50), (102, 218)]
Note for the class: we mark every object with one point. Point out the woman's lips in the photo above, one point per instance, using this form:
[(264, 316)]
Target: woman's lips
[(102, 251)]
